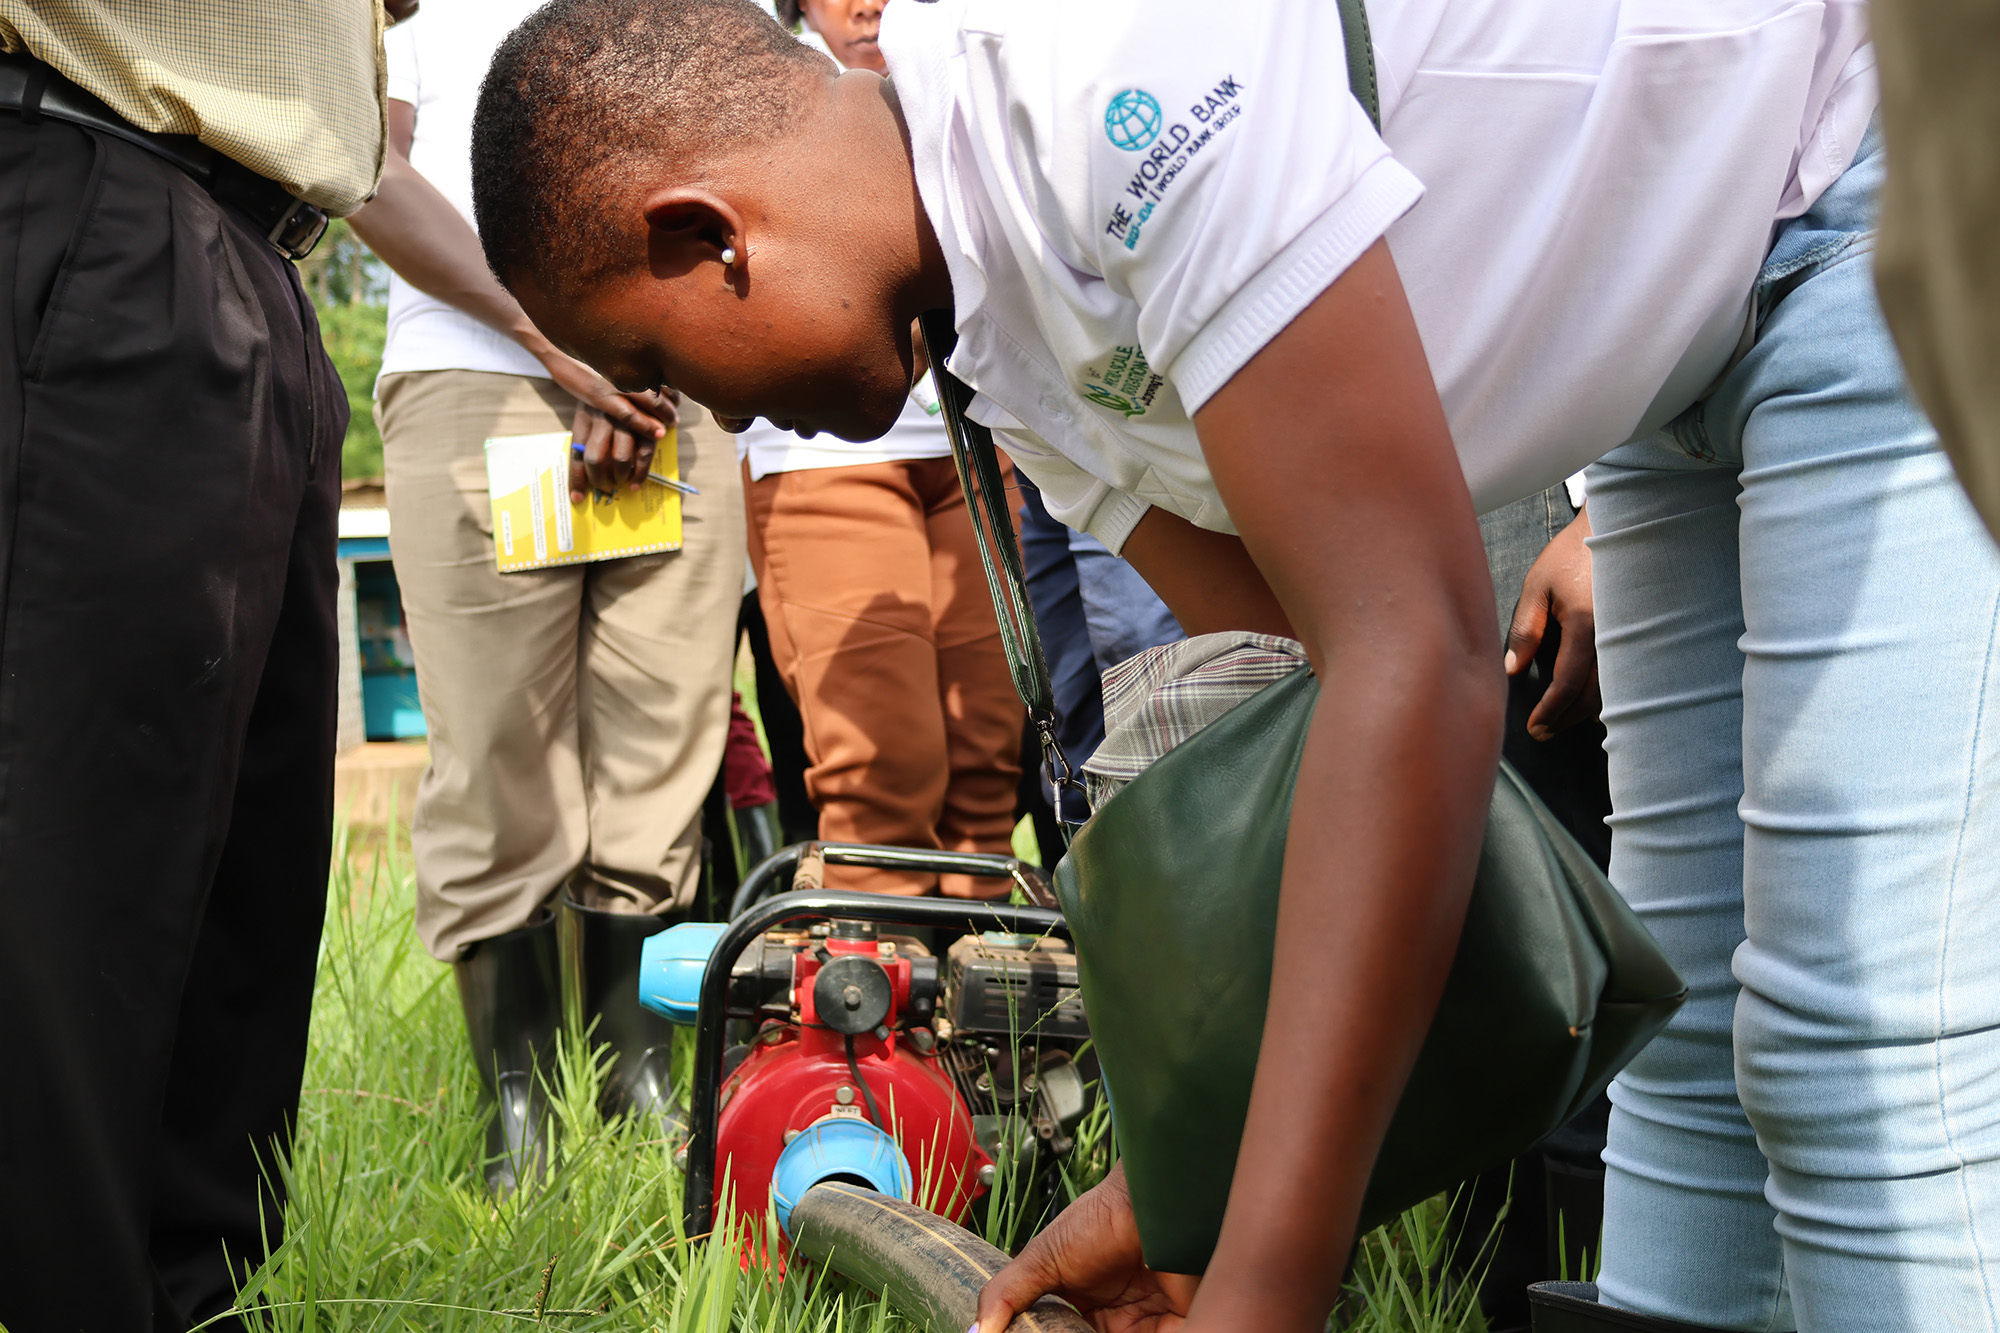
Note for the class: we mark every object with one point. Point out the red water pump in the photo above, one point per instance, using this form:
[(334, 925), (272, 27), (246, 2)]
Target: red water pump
[(861, 1051), (858, 1057)]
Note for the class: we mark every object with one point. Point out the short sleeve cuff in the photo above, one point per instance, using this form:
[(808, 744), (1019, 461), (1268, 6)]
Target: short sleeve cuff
[(1113, 520), (1072, 496), (1290, 282)]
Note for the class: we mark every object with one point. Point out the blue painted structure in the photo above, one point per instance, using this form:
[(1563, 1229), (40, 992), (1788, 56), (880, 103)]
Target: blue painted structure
[(390, 708)]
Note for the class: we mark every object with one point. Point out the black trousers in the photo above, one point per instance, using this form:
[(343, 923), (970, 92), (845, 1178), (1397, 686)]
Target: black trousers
[(169, 478)]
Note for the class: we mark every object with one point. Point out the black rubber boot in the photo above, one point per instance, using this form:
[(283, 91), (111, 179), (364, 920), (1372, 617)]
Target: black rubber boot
[(1571, 1307), (758, 833), (601, 959), (511, 989)]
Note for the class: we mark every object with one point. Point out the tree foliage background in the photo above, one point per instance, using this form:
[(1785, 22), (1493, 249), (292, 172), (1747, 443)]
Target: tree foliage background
[(349, 287)]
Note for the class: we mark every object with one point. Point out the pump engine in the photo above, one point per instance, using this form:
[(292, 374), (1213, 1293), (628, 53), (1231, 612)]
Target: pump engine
[(861, 1058)]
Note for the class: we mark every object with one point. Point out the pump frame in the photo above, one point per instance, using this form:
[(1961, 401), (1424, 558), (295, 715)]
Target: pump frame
[(752, 918)]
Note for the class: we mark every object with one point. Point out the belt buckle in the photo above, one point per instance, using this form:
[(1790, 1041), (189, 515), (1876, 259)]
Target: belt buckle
[(298, 230)]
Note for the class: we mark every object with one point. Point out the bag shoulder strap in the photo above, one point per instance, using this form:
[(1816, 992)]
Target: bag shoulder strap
[(1361, 59), (985, 493)]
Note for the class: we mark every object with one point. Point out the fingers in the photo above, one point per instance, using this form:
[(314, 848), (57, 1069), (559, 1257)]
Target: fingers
[(1090, 1255), (1047, 1264), (1016, 1287), (1179, 1289), (643, 449), (612, 456), (631, 457), (1524, 633), (619, 432), (631, 438), (663, 405), (627, 415), (1572, 695), (579, 464), (599, 463), (1587, 705)]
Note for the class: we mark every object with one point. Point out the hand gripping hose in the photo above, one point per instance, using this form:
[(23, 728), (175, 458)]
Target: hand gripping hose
[(928, 1269)]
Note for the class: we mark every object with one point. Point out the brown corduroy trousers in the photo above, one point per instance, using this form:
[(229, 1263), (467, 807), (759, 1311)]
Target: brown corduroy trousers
[(880, 622)]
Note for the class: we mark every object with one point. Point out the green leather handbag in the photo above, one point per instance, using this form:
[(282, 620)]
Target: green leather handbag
[(1171, 894)]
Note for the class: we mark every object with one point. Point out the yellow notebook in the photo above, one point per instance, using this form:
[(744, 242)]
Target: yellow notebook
[(535, 526)]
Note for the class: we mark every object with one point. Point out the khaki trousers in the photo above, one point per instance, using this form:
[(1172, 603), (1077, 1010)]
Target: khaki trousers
[(881, 624), (576, 715)]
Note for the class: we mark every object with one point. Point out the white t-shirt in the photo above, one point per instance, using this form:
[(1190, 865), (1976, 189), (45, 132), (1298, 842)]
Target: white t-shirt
[(1135, 197), (918, 433), (436, 61)]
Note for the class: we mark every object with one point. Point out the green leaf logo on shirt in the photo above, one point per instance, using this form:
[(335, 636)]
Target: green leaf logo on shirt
[(1117, 402), (1127, 385)]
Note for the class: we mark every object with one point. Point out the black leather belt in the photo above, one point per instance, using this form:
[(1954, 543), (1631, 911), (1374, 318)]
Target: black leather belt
[(290, 224)]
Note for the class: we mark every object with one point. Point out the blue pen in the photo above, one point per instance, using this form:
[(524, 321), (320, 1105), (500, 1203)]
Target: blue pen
[(672, 483)]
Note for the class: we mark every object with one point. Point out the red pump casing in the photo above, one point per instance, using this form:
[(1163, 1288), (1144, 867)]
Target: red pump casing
[(794, 1072)]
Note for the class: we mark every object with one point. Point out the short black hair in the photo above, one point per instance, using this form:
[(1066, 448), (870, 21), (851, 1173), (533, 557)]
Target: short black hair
[(584, 85)]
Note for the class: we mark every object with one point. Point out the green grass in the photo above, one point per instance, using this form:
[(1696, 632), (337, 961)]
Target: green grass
[(387, 1224), (387, 1227)]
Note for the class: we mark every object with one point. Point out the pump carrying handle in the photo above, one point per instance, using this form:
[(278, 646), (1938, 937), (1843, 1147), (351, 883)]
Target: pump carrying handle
[(712, 1015), (782, 867)]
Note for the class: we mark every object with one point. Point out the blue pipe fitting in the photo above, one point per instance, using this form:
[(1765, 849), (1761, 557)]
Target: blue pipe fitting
[(671, 965), (852, 1150)]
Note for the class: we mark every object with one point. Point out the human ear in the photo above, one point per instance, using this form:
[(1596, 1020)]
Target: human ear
[(687, 228)]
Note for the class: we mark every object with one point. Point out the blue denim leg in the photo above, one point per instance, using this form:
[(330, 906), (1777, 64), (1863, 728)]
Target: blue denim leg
[(1055, 594), (1797, 614), (1093, 611), (1126, 616)]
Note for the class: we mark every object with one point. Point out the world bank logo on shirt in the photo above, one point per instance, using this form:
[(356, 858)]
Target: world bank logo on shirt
[(1133, 119)]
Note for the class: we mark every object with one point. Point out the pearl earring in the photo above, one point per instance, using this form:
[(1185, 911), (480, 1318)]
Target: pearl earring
[(728, 255)]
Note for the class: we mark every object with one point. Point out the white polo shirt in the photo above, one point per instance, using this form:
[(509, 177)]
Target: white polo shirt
[(1135, 196), (918, 433)]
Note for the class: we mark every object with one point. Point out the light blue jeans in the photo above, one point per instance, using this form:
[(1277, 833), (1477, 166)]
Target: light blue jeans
[(1796, 616)]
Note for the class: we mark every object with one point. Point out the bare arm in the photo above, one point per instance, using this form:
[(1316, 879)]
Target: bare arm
[(417, 232), (1331, 452)]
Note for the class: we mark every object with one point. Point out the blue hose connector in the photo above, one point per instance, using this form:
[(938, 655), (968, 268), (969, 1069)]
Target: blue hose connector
[(852, 1150), (671, 965)]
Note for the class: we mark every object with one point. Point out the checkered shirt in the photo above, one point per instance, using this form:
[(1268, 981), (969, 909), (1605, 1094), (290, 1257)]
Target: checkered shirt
[(1156, 700), (292, 91)]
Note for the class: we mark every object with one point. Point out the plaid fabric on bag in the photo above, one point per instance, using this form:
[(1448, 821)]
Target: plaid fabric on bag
[(293, 92), (1156, 700)]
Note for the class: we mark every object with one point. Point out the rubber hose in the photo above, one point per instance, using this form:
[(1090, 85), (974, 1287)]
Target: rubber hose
[(930, 1270)]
